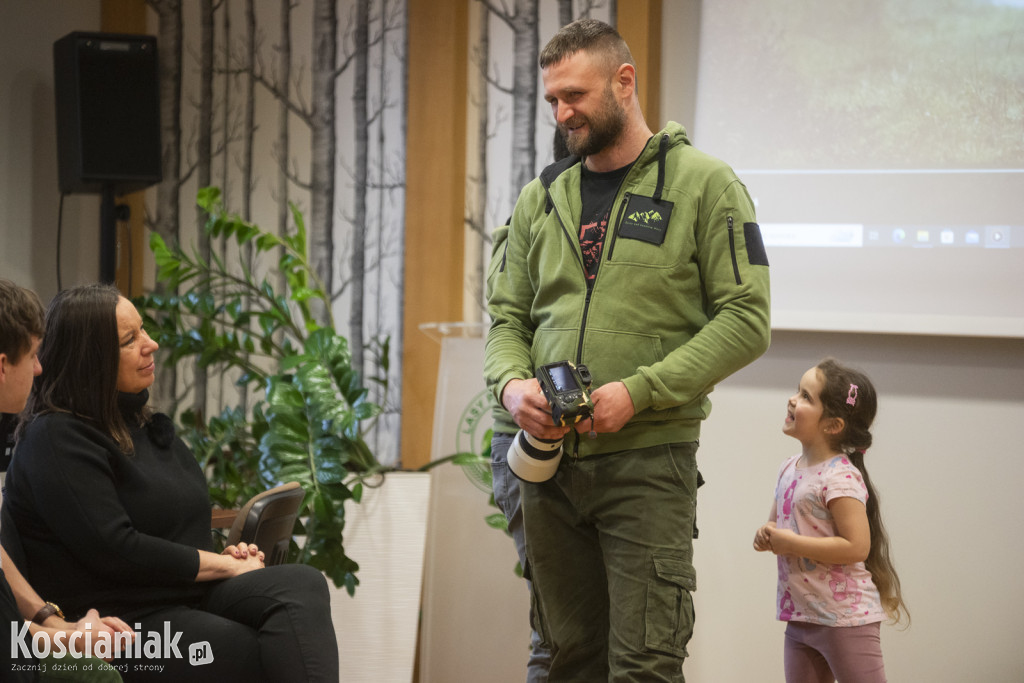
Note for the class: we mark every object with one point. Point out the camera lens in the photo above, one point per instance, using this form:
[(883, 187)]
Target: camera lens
[(532, 459)]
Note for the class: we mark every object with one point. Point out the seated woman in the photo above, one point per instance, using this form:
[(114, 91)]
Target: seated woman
[(113, 512)]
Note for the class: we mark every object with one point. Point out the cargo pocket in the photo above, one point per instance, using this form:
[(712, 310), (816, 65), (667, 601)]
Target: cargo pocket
[(669, 614)]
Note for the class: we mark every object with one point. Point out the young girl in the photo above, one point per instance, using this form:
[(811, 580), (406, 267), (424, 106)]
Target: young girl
[(836, 581)]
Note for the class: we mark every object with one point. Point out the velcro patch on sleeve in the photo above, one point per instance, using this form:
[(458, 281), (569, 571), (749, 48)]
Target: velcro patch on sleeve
[(756, 255)]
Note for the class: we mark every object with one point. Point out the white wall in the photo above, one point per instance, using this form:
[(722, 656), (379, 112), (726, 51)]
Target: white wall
[(947, 461), (29, 198)]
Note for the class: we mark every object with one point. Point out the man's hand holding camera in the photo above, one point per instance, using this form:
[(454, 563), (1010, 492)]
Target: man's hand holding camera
[(613, 407), (532, 410), (525, 401), (549, 405)]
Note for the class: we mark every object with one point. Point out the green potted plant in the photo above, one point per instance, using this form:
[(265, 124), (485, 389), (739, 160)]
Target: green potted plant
[(308, 409)]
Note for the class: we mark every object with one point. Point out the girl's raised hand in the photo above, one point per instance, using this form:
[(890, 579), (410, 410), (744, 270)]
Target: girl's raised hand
[(763, 538)]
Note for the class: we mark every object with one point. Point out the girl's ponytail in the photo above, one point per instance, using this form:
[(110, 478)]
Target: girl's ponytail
[(879, 563), (849, 395)]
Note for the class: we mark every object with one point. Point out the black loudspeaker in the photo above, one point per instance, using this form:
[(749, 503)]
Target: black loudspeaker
[(108, 112)]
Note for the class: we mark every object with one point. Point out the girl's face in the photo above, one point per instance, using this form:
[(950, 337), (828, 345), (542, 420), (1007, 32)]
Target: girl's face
[(804, 411), (135, 371)]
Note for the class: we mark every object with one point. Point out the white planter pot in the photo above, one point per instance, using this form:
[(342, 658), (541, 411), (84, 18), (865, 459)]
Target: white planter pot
[(386, 534)]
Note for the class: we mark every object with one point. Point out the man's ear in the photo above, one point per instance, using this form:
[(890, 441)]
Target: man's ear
[(625, 79), (4, 362)]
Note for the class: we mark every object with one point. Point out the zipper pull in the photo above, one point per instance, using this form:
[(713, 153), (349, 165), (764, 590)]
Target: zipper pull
[(732, 251)]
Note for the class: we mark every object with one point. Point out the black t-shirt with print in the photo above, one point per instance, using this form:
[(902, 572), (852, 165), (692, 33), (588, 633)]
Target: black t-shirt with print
[(598, 194)]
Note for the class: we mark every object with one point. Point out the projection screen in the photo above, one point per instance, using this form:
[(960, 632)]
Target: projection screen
[(883, 144)]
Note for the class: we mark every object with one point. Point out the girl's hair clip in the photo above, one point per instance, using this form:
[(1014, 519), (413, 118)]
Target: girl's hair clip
[(851, 398)]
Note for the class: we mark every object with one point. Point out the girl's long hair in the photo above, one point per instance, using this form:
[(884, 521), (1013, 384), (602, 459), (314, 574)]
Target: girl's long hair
[(848, 394), (80, 354)]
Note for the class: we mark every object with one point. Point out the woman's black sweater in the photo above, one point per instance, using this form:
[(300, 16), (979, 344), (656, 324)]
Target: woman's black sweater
[(101, 528)]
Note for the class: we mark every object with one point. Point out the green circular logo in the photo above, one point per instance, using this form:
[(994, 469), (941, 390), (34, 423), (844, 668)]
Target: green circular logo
[(473, 424)]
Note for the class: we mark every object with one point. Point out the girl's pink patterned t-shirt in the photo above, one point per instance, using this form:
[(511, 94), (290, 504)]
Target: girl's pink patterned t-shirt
[(830, 595)]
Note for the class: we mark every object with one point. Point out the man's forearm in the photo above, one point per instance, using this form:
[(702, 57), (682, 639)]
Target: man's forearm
[(29, 602)]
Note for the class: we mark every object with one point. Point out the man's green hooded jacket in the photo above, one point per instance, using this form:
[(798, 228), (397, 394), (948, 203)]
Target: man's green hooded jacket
[(680, 300)]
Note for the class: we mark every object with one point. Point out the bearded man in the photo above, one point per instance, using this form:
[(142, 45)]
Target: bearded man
[(641, 258)]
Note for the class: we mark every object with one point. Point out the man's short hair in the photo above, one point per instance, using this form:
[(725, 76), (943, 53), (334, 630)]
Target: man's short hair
[(591, 35), (21, 319)]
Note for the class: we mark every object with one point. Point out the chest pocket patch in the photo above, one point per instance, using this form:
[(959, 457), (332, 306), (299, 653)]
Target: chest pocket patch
[(646, 219)]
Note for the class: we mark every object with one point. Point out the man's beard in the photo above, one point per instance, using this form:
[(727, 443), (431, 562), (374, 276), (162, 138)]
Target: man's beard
[(605, 127)]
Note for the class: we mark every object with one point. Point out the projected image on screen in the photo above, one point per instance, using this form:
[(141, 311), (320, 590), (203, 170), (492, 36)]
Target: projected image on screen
[(883, 143)]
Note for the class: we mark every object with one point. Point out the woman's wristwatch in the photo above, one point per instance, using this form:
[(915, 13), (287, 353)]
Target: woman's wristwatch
[(45, 612)]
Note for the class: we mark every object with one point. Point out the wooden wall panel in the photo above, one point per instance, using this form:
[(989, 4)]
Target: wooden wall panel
[(639, 23), (435, 205)]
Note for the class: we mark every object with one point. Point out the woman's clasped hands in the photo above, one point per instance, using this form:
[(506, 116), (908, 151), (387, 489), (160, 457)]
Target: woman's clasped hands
[(247, 553)]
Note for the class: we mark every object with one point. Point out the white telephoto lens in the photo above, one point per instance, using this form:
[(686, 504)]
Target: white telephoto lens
[(532, 459)]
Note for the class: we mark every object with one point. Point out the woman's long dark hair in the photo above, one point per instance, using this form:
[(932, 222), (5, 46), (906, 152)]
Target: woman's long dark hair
[(848, 394), (80, 354)]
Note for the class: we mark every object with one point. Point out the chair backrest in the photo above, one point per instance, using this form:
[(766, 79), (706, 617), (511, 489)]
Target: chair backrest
[(268, 520)]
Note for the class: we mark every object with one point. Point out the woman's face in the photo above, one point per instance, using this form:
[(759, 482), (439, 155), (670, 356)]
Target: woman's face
[(135, 371)]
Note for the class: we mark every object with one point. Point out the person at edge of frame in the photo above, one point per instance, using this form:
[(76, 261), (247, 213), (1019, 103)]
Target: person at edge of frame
[(21, 332)]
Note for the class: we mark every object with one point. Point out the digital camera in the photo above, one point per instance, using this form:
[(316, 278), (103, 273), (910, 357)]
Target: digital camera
[(566, 388)]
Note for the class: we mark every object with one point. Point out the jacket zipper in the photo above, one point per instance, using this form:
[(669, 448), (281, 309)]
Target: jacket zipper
[(618, 222), (566, 234), (583, 326), (732, 251)]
